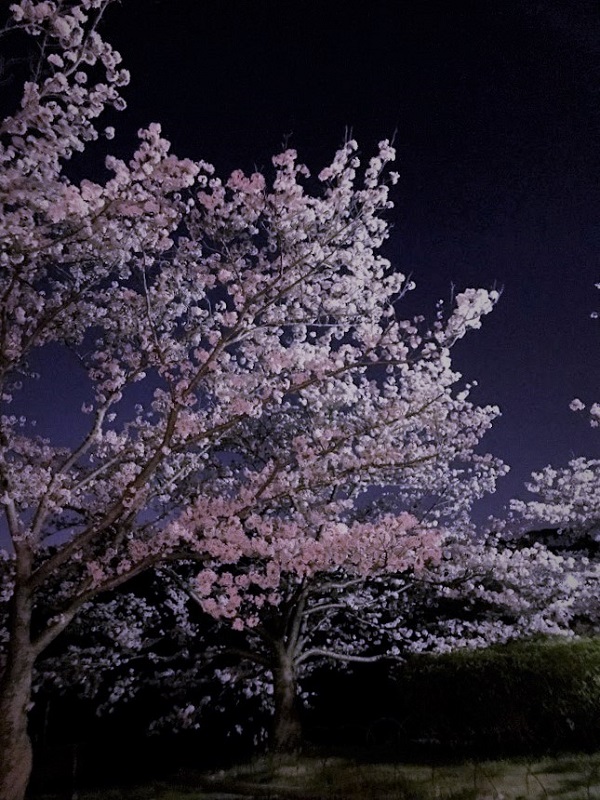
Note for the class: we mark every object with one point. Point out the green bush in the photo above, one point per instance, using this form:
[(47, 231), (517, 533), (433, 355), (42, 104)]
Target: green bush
[(521, 697), (529, 697)]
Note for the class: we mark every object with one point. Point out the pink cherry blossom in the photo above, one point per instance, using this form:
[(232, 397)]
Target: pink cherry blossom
[(257, 320)]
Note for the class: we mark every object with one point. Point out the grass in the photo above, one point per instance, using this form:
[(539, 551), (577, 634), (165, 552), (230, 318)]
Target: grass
[(569, 777)]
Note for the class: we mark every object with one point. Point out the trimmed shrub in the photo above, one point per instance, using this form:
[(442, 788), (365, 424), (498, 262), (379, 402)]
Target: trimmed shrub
[(523, 697), (526, 697)]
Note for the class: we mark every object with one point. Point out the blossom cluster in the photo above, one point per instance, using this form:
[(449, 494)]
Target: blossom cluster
[(250, 380)]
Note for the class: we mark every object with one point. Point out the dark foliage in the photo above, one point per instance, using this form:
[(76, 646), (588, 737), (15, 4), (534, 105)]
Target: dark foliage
[(522, 698)]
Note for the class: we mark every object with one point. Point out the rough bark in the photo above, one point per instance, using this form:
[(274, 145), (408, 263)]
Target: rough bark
[(15, 698), (287, 727)]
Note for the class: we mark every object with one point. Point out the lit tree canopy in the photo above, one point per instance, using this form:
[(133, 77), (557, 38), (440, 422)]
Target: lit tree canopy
[(249, 375)]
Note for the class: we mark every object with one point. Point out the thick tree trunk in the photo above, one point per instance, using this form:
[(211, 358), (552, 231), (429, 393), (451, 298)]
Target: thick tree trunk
[(287, 728), (15, 699), (15, 745)]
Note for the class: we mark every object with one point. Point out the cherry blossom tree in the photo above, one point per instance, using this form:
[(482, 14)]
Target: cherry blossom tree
[(249, 377), (566, 498), (565, 508), (478, 591), (473, 596), (153, 642), (564, 515)]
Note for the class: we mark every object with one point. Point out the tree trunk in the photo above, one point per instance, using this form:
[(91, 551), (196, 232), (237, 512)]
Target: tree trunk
[(15, 699), (287, 728)]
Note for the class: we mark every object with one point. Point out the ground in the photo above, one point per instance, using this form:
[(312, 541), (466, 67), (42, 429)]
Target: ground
[(568, 777)]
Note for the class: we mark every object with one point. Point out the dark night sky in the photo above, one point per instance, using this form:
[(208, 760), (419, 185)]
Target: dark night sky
[(495, 109)]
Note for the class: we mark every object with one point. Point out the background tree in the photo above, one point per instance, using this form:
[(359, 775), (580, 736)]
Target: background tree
[(203, 315), (565, 512)]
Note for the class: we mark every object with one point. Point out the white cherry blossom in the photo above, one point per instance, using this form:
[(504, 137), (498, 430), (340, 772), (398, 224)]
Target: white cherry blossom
[(257, 324)]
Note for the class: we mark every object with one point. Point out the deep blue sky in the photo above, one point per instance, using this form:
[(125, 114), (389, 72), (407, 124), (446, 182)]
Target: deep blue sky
[(495, 106)]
